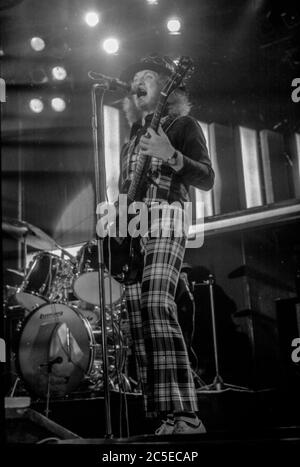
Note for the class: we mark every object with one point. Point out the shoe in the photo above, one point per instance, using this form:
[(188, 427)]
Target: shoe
[(166, 428), (183, 426)]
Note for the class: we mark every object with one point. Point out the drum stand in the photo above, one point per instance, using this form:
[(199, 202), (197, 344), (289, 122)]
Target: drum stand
[(49, 365), (25, 256), (218, 383), (99, 164)]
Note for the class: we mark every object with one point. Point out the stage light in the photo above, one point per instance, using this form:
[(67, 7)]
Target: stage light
[(36, 105), (58, 104), (174, 26), (152, 2), (37, 43), (59, 73), (111, 45), (92, 19)]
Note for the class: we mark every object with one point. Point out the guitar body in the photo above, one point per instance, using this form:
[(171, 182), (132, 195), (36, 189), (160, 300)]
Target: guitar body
[(123, 257)]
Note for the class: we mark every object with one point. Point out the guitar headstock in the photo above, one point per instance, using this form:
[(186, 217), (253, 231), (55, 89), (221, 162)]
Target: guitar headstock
[(183, 70)]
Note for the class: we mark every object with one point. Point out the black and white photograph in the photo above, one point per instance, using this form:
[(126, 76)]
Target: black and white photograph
[(150, 225)]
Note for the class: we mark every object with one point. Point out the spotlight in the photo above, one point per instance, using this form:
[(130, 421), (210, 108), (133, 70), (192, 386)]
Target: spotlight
[(152, 2), (36, 105), (92, 19), (58, 104), (58, 73), (174, 26), (37, 43), (111, 45)]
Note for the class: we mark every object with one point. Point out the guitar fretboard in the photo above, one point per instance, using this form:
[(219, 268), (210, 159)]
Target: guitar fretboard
[(137, 185)]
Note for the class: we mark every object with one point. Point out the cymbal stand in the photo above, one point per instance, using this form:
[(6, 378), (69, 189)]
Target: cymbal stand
[(24, 259), (218, 382), (99, 164), (13, 390), (49, 364), (48, 394), (65, 291)]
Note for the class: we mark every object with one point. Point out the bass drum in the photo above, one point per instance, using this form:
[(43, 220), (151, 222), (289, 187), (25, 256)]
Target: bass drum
[(55, 350)]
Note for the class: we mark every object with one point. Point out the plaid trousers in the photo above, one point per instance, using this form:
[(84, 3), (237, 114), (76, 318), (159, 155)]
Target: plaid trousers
[(161, 353)]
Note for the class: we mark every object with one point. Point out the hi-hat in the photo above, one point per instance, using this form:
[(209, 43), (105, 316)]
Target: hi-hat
[(34, 236), (14, 227)]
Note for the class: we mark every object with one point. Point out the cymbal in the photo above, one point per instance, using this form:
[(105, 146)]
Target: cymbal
[(34, 236), (14, 227), (39, 239)]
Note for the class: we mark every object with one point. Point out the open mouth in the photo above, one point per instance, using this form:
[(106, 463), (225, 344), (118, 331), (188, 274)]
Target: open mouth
[(141, 92)]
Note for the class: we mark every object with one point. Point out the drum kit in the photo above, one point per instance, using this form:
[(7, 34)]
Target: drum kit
[(59, 344)]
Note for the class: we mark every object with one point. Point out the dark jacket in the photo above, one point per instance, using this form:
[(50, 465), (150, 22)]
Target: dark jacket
[(186, 136)]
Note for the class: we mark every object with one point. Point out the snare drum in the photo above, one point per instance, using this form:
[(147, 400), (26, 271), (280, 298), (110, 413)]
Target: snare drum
[(85, 285), (56, 347), (48, 278)]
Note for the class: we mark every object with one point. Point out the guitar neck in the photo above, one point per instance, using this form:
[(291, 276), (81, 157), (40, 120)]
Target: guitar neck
[(137, 185)]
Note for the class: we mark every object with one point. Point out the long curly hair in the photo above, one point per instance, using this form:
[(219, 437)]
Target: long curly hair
[(178, 105)]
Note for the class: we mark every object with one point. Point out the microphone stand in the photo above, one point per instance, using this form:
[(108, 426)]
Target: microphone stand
[(100, 185), (218, 382)]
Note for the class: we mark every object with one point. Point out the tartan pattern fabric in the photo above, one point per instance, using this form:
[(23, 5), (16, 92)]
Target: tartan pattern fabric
[(162, 357)]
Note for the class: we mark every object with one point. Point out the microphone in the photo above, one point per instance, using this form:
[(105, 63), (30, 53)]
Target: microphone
[(111, 84)]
